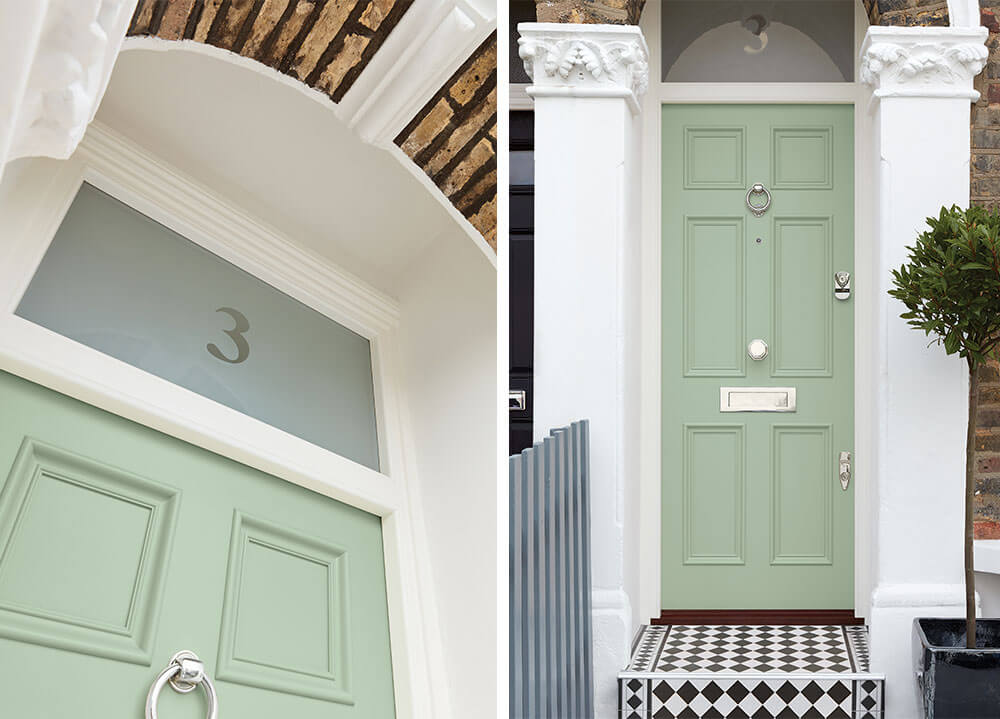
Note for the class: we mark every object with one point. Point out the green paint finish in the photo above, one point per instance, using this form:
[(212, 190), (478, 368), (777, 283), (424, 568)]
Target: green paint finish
[(120, 546), (753, 513)]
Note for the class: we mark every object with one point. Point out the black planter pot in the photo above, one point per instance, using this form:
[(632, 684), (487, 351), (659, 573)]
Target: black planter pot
[(954, 682)]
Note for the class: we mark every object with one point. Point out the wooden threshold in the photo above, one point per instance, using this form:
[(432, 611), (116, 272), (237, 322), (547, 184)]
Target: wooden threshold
[(757, 616)]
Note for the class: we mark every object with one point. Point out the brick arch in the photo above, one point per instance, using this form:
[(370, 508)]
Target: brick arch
[(326, 44)]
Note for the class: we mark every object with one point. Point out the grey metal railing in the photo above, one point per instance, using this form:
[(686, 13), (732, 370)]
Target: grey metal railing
[(550, 624)]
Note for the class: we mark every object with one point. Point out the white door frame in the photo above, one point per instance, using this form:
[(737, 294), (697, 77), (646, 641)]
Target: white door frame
[(865, 305), (34, 198)]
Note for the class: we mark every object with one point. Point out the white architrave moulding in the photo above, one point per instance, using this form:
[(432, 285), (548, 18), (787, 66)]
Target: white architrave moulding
[(56, 58), (923, 62), (585, 60)]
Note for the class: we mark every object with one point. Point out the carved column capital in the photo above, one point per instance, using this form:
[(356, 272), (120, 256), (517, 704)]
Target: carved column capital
[(923, 61), (585, 60)]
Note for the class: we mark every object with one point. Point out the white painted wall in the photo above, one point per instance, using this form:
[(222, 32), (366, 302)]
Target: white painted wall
[(447, 355)]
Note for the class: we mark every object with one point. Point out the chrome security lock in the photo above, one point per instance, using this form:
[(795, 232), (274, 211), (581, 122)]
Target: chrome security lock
[(842, 285)]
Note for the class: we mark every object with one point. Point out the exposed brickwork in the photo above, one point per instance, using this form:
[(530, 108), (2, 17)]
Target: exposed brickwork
[(326, 44), (907, 12), (985, 190), (454, 139), (590, 12), (988, 455)]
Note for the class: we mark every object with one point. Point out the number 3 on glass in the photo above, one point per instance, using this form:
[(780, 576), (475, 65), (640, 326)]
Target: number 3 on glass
[(240, 326)]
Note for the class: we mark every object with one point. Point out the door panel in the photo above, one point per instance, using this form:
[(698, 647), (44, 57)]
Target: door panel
[(753, 513), (713, 296), (120, 546)]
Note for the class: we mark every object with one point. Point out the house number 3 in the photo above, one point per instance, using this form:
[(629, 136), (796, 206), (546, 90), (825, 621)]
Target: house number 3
[(240, 326)]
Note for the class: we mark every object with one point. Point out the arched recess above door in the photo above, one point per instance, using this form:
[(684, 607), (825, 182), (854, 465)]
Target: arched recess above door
[(382, 65)]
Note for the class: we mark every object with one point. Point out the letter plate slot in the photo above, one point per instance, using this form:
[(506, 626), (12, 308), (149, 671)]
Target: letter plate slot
[(756, 399)]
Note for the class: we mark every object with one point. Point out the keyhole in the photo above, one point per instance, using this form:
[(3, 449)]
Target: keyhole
[(759, 240)]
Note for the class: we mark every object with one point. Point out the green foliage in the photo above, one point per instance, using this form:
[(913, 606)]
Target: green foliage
[(951, 283)]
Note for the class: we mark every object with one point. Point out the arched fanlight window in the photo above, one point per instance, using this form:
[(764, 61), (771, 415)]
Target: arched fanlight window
[(748, 41)]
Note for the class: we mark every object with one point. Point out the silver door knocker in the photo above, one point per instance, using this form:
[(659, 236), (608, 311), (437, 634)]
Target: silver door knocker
[(184, 673), (758, 199)]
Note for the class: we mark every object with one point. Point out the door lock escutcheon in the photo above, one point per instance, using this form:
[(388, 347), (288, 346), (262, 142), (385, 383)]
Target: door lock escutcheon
[(841, 285), (845, 470)]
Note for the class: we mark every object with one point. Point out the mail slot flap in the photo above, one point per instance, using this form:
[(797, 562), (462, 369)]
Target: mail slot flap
[(756, 399)]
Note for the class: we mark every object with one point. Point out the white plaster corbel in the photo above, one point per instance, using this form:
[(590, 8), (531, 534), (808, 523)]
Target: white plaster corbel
[(56, 58), (923, 61), (585, 60)]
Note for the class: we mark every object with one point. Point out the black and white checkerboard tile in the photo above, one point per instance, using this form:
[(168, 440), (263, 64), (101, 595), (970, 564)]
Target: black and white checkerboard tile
[(750, 672)]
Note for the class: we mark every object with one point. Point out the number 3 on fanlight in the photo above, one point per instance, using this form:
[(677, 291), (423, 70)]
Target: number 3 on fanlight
[(240, 326)]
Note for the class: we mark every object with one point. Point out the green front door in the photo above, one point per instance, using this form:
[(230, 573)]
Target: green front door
[(754, 512), (120, 546)]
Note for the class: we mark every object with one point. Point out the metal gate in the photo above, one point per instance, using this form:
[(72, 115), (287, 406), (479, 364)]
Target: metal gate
[(550, 623)]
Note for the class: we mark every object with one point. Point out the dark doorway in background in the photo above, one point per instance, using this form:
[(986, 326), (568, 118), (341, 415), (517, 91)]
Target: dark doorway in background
[(522, 277)]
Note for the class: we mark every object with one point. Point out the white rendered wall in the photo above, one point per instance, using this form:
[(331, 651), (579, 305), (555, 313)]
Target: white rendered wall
[(923, 86), (447, 355), (587, 310)]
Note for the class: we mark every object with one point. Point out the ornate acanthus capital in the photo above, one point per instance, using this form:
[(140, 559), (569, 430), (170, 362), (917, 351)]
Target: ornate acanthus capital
[(585, 60), (58, 57), (923, 61)]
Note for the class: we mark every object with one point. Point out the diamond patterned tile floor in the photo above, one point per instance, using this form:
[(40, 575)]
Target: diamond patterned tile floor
[(750, 672)]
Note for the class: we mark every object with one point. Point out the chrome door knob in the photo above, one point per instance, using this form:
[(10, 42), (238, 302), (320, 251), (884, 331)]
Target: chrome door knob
[(757, 350)]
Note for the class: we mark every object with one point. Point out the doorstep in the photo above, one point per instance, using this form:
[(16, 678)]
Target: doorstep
[(687, 671)]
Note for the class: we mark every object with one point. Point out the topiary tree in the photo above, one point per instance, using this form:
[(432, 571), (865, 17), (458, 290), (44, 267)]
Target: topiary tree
[(951, 289)]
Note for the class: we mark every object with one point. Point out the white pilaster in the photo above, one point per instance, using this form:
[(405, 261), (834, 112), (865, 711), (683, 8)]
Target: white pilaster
[(587, 82), (56, 58), (922, 81)]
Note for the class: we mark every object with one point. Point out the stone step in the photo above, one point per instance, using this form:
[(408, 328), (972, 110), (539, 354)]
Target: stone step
[(750, 672)]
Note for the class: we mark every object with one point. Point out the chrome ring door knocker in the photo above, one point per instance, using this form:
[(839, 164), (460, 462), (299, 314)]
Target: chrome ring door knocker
[(758, 199), (184, 673)]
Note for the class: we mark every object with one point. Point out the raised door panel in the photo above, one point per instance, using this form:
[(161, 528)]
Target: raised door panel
[(83, 553), (714, 511), (714, 158), (802, 158), (285, 620), (802, 301), (713, 297), (801, 494)]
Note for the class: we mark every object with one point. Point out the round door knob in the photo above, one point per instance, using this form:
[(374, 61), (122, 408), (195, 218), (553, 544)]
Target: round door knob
[(757, 349)]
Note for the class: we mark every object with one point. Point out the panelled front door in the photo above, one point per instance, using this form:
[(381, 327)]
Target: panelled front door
[(120, 546), (755, 515)]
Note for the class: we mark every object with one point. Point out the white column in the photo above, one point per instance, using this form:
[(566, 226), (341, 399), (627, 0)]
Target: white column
[(922, 80), (588, 80), (56, 58)]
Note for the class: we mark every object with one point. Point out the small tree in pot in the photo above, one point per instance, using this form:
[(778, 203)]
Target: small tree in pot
[(951, 289)]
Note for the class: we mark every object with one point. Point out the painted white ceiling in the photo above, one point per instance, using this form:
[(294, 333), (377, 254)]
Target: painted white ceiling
[(267, 147)]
